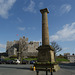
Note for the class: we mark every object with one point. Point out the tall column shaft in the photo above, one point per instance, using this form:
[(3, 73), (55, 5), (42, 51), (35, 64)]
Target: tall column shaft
[(45, 32)]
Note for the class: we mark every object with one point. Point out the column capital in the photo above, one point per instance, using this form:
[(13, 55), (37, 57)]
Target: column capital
[(44, 10)]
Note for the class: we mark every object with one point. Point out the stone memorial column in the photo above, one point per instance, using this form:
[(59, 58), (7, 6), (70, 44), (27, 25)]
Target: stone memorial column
[(45, 51), (45, 32)]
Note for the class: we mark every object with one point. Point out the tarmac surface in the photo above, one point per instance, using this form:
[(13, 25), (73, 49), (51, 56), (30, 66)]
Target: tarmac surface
[(10, 69)]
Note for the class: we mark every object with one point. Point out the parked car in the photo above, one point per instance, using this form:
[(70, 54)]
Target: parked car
[(32, 62), (2, 61), (16, 61), (24, 62), (9, 62)]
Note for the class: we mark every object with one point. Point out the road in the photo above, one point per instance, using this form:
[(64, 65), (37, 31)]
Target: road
[(66, 69)]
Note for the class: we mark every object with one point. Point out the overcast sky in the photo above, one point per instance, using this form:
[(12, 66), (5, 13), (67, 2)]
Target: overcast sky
[(23, 17)]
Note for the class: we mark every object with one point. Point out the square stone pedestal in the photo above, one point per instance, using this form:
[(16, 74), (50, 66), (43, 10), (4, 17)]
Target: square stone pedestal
[(46, 58), (46, 54)]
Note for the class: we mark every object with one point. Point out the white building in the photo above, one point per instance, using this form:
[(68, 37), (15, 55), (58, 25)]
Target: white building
[(71, 58)]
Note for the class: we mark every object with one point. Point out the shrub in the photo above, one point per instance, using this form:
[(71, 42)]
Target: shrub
[(13, 56)]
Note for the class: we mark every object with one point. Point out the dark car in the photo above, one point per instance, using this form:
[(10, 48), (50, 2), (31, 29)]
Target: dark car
[(32, 62), (24, 62), (2, 61), (9, 62)]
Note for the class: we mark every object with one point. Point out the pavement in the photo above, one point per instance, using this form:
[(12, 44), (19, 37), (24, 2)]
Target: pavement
[(8, 69)]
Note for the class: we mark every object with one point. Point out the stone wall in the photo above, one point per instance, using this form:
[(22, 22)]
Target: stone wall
[(32, 46), (12, 48), (12, 51), (11, 44), (22, 48)]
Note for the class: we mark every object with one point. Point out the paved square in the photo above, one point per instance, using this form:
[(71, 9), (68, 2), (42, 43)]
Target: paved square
[(25, 70)]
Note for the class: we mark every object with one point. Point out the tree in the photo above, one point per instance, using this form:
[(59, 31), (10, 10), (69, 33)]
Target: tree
[(56, 47), (73, 54)]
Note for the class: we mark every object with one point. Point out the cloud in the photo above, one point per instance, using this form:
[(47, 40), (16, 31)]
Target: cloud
[(40, 41), (66, 48), (66, 34), (26, 28), (2, 50), (2, 46), (19, 19), (30, 7), (40, 4), (5, 6), (65, 8), (31, 28), (21, 28)]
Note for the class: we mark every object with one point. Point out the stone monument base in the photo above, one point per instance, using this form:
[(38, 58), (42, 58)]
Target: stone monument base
[(56, 68), (47, 67), (46, 58), (45, 54)]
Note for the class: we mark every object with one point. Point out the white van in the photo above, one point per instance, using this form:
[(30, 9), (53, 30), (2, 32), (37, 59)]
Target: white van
[(16, 61)]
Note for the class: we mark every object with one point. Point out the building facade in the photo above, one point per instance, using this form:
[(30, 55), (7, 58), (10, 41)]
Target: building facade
[(22, 48), (71, 58), (66, 54)]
